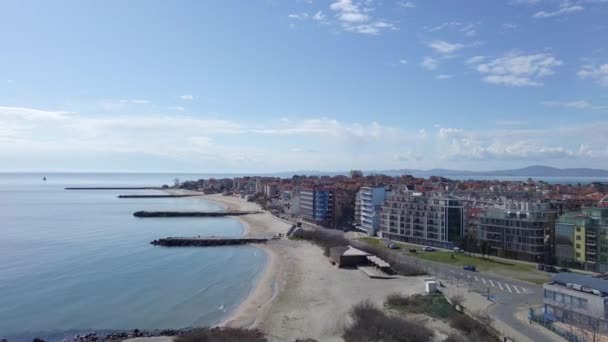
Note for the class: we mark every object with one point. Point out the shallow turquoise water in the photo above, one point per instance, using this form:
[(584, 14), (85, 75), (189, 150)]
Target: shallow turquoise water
[(80, 260)]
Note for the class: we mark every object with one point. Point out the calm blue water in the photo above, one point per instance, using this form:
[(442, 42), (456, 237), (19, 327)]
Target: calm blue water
[(80, 260)]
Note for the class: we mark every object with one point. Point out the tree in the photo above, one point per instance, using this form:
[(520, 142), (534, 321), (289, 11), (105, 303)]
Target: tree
[(176, 182)]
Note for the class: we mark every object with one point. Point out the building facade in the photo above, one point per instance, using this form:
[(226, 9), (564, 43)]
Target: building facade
[(316, 206), (368, 208), (581, 239), (516, 229), (578, 300), (422, 218)]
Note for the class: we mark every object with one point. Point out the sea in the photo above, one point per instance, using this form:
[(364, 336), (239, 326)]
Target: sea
[(79, 261)]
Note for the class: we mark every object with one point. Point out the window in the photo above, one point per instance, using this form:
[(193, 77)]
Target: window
[(558, 297), (578, 237), (578, 245), (578, 255), (578, 229), (549, 294)]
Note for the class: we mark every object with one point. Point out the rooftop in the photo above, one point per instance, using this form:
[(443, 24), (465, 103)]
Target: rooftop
[(590, 282)]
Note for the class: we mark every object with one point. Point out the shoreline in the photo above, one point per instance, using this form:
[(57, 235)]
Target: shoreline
[(265, 287), (300, 294)]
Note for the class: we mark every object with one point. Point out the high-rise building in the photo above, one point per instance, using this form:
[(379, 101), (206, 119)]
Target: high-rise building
[(368, 208), (316, 205), (422, 218), (581, 239), (516, 229)]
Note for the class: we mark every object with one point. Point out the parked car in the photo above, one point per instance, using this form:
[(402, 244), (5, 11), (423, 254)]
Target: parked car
[(428, 249), (392, 246), (550, 269), (540, 267), (469, 268), (457, 250), (563, 269)]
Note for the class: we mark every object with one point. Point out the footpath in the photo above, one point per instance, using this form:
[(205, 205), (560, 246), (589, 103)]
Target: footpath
[(475, 303)]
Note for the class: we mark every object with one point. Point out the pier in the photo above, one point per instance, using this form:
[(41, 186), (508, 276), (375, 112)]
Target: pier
[(115, 188), (155, 196), (144, 214), (207, 241)]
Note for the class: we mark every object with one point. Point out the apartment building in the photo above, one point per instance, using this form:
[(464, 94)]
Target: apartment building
[(581, 239), (578, 300), (368, 207), (422, 218), (516, 229), (316, 205)]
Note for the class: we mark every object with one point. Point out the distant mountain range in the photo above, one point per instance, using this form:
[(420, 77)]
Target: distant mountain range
[(530, 171), (534, 171)]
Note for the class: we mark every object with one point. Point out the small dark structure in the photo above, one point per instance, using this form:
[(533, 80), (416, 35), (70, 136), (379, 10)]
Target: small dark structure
[(155, 196), (144, 213), (207, 241), (347, 256), (115, 188)]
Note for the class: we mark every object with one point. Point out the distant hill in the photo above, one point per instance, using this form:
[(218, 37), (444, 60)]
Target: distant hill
[(534, 171), (530, 171)]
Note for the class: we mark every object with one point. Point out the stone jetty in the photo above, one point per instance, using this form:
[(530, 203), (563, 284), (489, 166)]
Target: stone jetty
[(155, 196), (115, 188), (208, 241), (144, 213)]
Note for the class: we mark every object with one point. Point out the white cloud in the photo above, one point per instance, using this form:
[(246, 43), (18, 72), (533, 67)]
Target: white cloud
[(29, 136), (187, 97), (298, 16), (526, 145), (444, 76), (319, 16), (406, 4), (526, 2), (178, 108), (475, 60), (510, 26), (429, 63), (564, 8), (579, 104), (516, 69), (403, 61), (356, 17), (468, 29), (446, 132), (443, 47), (136, 101), (511, 122), (29, 114), (599, 74)]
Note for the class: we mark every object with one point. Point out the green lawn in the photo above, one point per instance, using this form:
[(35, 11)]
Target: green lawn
[(379, 243), (462, 259), (522, 271)]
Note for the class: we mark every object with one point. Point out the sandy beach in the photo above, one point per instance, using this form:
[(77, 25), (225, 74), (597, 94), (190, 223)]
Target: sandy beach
[(300, 294)]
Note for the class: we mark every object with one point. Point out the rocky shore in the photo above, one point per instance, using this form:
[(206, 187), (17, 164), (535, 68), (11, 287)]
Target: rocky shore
[(104, 336)]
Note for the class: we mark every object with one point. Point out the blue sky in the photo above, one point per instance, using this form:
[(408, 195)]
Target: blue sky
[(237, 86)]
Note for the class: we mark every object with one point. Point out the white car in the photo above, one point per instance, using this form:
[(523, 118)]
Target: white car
[(428, 249)]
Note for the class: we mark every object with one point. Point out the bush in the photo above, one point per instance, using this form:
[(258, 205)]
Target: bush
[(433, 305), (320, 238), (371, 324), (222, 335), (473, 329)]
